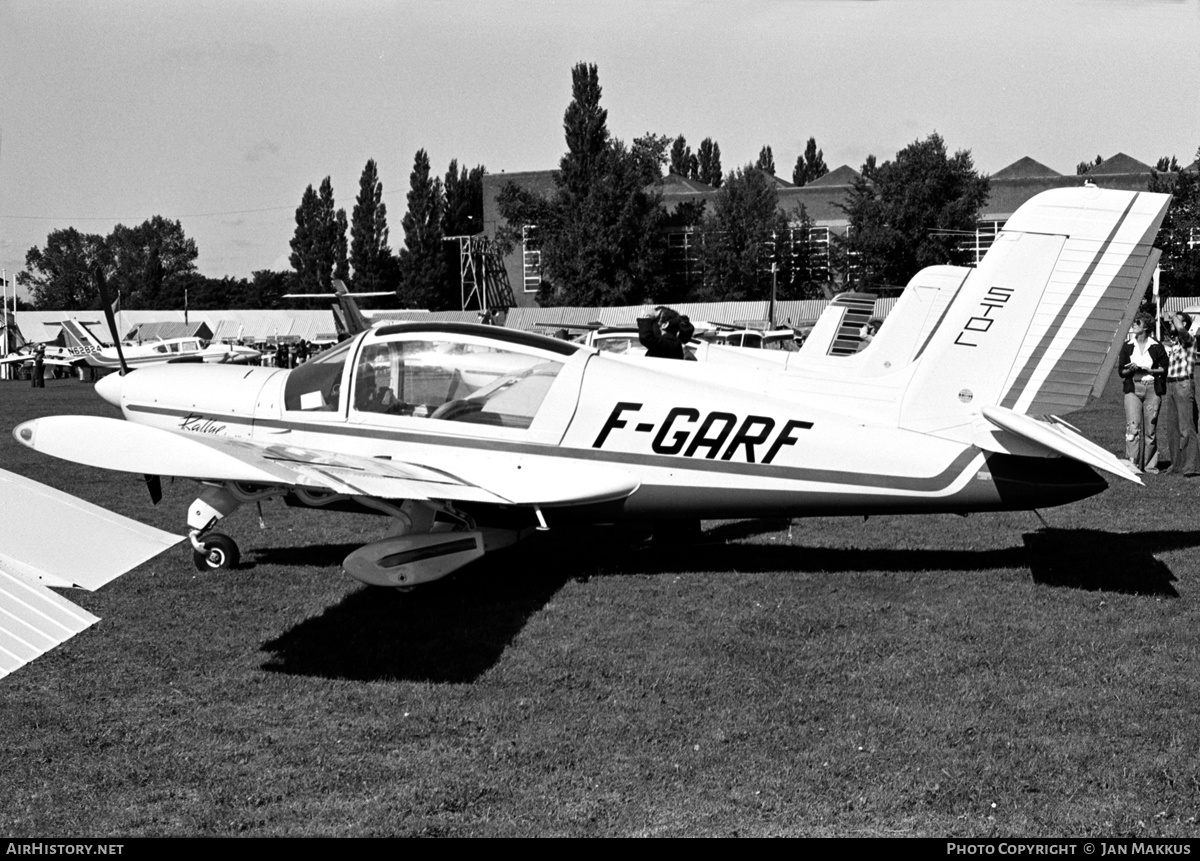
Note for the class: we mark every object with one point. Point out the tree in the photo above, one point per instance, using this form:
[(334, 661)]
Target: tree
[(319, 243), (585, 124), (810, 165), (1084, 166), (1164, 164), (649, 154), (766, 160), (683, 162), (422, 260), (906, 218), (708, 159), (369, 249), (59, 277), (463, 215), (741, 238), (1179, 236), (599, 231), (868, 168), (147, 266)]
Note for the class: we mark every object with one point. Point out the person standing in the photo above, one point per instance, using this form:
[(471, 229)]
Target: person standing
[(1142, 365), (1181, 360), (39, 367)]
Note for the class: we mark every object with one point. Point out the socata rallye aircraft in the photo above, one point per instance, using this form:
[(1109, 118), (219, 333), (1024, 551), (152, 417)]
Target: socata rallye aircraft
[(467, 437)]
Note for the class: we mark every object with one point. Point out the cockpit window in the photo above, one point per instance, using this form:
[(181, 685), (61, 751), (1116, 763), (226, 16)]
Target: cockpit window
[(452, 381), (316, 385)]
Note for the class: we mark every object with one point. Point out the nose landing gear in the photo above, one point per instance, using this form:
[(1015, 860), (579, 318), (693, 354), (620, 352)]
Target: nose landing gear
[(214, 551)]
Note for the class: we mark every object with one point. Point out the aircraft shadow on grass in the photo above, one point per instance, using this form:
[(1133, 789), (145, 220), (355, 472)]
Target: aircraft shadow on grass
[(454, 630)]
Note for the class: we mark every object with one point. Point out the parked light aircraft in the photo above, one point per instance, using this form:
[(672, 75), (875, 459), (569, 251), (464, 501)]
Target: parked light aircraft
[(467, 437), (186, 349)]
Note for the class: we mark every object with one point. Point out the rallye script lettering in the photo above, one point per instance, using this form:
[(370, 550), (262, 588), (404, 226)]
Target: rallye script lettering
[(683, 431), (199, 424), (995, 299)]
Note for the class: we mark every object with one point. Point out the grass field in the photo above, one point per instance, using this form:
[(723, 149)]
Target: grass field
[(926, 676)]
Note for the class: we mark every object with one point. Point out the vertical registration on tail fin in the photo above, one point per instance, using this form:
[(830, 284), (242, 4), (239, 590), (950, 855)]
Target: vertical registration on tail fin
[(1034, 326)]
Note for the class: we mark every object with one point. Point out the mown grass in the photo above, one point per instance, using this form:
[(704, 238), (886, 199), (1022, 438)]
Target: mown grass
[(900, 676)]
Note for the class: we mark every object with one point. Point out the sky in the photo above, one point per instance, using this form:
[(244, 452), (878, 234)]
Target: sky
[(219, 113)]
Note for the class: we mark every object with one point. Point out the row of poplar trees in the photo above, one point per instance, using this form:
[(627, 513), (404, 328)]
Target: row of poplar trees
[(422, 273)]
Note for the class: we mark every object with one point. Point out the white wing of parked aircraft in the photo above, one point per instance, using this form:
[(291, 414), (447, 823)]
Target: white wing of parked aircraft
[(467, 436), (102, 546)]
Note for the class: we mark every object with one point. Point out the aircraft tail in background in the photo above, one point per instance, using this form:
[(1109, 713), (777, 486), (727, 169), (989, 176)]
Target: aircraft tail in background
[(76, 335), (347, 318)]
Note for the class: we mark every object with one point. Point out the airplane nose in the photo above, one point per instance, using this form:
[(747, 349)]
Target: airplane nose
[(109, 388)]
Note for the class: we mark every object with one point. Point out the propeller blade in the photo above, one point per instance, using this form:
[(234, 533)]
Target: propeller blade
[(102, 286), (154, 485)]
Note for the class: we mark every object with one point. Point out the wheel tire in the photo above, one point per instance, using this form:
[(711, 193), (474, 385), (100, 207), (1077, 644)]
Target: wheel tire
[(221, 551)]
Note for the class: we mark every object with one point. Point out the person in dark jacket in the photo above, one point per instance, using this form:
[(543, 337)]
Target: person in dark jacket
[(1142, 364), (39, 367), (661, 332)]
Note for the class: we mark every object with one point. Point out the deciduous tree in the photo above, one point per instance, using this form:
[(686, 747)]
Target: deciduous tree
[(59, 277), (810, 165), (1179, 236), (422, 260), (766, 160), (319, 243), (683, 161), (369, 249), (907, 217), (740, 239), (598, 232), (708, 159)]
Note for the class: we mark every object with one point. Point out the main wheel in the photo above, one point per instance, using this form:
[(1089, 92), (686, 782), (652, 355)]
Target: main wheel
[(220, 551)]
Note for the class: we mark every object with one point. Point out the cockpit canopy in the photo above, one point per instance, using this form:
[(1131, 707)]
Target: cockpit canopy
[(469, 374)]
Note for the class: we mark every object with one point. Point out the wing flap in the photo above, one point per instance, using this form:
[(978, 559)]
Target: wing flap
[(33, 620), (104, 545)]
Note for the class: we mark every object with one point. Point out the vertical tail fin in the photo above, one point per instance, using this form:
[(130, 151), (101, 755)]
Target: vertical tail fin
[(351, 316), (1033, 328)]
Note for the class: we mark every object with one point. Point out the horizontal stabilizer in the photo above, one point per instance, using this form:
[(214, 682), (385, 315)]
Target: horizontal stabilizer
[(103, 546), (1059, 437)]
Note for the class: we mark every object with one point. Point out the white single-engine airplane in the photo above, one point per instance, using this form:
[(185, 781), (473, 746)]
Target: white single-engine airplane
[(469, 436), (163, 350)]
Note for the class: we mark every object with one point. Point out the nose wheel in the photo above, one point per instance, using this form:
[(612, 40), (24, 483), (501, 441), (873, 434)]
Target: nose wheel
[(216, 551)]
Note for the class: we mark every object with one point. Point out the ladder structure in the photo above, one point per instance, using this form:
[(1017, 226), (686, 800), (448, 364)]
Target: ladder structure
[(482, 277)]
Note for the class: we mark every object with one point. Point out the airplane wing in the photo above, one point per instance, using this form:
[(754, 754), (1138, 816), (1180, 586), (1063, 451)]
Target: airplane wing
[(513, 480), (103, 546)]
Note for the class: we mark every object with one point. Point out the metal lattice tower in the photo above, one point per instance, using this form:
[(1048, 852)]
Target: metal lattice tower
[(482, 277)]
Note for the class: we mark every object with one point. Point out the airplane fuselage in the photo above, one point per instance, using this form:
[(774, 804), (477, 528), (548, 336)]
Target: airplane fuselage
[(698, 450)]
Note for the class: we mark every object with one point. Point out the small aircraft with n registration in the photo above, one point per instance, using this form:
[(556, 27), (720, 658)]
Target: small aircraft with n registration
[(465, 438)]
